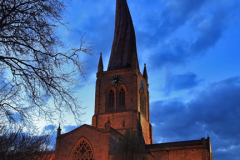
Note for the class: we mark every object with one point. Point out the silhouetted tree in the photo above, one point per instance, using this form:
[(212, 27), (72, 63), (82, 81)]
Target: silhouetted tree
[(130, 148), (34, 64), (19, 145)]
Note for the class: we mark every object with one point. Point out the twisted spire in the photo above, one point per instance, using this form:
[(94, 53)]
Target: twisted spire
[(124, 52)]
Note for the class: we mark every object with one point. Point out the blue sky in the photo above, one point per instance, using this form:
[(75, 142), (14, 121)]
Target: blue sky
[(191, 49)]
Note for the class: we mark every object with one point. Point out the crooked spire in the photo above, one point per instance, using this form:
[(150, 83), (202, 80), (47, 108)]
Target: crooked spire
[(124, 51)]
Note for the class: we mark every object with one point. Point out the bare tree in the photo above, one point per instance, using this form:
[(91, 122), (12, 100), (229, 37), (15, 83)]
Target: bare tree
[(35, 67), (18, 145)]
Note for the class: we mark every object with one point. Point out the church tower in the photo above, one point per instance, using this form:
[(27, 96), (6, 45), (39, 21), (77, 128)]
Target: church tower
[(122, 97)]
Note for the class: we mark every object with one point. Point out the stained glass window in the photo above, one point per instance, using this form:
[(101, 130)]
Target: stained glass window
[(83, 151)]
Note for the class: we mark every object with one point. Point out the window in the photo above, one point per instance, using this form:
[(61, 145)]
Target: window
[(110, 101), (83, 151), (121, 99), (123, 123), (142, 103)]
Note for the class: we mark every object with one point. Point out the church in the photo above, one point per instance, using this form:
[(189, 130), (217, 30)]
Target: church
[(122, 105)]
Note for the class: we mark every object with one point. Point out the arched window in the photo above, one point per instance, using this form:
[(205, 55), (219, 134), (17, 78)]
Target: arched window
[(110, 101), (83, 151), (121, 100)]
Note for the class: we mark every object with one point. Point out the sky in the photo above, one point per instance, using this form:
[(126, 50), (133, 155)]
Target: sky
[(192, 52)]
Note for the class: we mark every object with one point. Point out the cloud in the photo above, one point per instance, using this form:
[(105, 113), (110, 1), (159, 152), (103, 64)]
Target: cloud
[(69, 128), (50, 127), (188, 31), (94, 20), (176, 14), (214, 110), (173, 32), (181, 82), (209, 31), (173, 51), (162, 22)]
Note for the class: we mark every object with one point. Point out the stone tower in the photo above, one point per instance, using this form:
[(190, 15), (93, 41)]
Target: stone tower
[(122, 97)]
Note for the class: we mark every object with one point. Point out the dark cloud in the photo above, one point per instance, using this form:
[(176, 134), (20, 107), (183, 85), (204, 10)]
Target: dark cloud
[(181, 82), (161, 23), (209, 32), (171, 52), (176, 14), (215, 110), (202, 28)]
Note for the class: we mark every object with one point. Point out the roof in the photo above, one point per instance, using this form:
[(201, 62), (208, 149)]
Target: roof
[(82, 126), (180, 145)]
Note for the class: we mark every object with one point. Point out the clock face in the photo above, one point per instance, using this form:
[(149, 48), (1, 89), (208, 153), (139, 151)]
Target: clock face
[(116, 80)]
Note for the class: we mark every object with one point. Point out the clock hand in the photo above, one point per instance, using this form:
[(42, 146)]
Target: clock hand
[(114, 81)]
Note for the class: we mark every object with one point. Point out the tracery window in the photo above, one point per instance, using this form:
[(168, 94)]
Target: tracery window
[(83, 151)]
